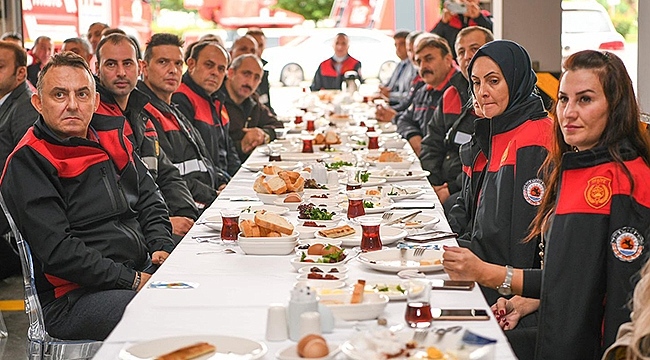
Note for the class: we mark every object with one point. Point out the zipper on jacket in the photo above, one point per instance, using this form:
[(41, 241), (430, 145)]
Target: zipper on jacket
[(108, 188)]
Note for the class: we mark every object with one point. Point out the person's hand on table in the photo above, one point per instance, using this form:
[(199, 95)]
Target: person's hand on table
[(158, 257), (253, 137), (384, 91), (508, 312), (144, 277), (181, 225), (442, 191), (385, 114), (462, 264)]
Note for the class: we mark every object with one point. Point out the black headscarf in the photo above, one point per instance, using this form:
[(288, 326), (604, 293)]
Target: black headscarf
[(517, 70)]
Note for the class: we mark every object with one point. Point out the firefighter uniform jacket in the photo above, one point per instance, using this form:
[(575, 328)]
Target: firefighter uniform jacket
[(510, 190), (452, 125), (210, 117), (185, 148), (139, 129), (595, 247), (328, 78), (414, 121), (88, 208)]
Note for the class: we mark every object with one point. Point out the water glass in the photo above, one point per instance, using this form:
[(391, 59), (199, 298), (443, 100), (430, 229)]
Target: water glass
[(230, 224), (370, 239)]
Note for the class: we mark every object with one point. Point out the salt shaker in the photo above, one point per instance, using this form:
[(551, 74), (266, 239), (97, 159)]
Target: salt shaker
[(303, 299)]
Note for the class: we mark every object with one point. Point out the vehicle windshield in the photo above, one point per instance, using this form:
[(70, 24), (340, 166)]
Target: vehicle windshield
[(584, 21)]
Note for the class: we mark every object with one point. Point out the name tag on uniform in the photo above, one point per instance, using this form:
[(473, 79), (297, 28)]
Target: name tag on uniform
[(462, 138)]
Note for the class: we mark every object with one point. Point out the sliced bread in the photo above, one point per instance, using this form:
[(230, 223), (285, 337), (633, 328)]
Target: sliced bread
[(273, 222)]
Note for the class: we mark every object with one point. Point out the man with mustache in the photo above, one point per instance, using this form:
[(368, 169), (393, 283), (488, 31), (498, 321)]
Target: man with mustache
[(117, 71), (452, 124), (251, 123), (198, 100), (41, 52), (162, 69), (437, 69)]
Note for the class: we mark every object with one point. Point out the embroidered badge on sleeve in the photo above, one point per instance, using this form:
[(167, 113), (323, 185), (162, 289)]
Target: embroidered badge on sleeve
[(627, 244), (534, 191)]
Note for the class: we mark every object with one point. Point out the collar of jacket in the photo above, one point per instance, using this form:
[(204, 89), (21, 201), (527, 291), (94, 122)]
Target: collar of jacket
[(137, 99), (41, 130), (485, 129), (19, 90), (597, 155), (155, 101), (187, 80)]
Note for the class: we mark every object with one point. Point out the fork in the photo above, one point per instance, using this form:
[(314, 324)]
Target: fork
[(418, 251), (420, 335), (387, 216)]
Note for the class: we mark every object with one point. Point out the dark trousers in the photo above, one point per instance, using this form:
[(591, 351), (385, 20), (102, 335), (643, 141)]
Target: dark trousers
[(9, 260), (81, 315)]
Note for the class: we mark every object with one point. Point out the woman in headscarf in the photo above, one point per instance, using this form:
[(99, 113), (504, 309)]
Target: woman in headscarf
[(513, 139), (594, 216)]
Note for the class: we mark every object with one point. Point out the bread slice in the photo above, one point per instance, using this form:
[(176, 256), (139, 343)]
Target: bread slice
[(246, 227), (260, 185), (189, 352), (277, 185), (337, 232), (273, 222), (271, 169), (331, 138)]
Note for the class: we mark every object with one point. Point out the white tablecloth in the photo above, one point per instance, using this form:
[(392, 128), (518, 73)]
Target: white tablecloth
[(235, 290)]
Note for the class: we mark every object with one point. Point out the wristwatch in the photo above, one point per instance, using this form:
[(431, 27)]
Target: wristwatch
[(506, 288)]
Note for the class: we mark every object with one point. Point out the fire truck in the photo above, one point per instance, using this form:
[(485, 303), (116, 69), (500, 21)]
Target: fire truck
[(62, 19)]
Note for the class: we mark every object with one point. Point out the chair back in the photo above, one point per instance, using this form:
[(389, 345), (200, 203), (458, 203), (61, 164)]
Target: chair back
[(40, 345)]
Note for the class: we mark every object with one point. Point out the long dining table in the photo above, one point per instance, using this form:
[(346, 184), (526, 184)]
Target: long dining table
[(233, 291)]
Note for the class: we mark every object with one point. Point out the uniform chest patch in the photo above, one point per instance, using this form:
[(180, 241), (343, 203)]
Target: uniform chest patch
[(534, 191), (598, 191), (627, 244)]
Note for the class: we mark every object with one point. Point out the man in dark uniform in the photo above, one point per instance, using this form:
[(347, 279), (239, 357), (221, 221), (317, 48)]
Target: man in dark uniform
[(117, 71), (41, 52), (329, 74), (97, 219), (198, 99), (264, 90)]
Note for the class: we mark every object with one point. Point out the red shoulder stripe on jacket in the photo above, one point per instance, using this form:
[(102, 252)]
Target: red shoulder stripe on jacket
[(590, 190), (69, 161), (110, 141), (109, 109), (201, 106), (530, 133), (168, 123), (225, 117), (61, 286), (451, 103)]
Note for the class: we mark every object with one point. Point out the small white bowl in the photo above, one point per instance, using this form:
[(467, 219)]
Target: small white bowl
[(372, 307), (324, 284), (331, 223), (395, 143), (339, 277), (267, 248), (269, 199), (406, 164), (297, 264), (341, 269), (293, 206)]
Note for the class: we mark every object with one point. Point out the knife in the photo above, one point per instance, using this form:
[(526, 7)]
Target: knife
[(402, 218), (413, 207), (440, 236)]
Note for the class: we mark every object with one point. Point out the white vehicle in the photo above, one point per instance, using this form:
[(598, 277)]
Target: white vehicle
[(586, 25), (298, 60)]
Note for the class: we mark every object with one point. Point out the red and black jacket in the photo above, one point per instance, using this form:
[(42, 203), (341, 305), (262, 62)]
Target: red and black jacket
[(414, 121), (515, 146), (210, 117), (140, 130), (184, 147), (327, 77), (452, 125), (449, 30), (87, 207), (593, 252)]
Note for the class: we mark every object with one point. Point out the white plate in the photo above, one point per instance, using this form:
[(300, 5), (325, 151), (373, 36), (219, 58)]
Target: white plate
[(258, 166), (387, 288), (371, 307), (293, 206), (297, 156), (418, 222), (324, 284), (373, 182), (280, 210), (297, 264), (291, 353), (267, 248), (213, 222), (339, 277), (387, 234), (307, 232), (410, 193), (147, 350), (389, 260), (371, 344), (415, 175)]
